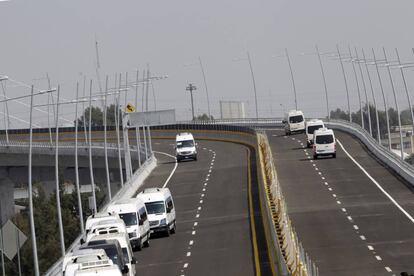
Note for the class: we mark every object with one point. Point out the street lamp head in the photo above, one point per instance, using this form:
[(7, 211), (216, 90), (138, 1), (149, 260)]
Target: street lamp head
[(2, 78)]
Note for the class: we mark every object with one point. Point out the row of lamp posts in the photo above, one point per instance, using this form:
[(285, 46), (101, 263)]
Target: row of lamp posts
[(119, 117)]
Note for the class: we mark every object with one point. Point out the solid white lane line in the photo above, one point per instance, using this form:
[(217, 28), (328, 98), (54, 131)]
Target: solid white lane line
[(378, 258), (388, 269), (370, 247), (173, 170), (378, 185)]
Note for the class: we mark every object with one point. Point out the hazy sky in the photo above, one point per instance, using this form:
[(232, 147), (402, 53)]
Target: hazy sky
[(57, 37)]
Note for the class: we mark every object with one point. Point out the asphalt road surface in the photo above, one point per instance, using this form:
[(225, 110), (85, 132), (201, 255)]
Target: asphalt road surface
[(350, 223), (213, 229)]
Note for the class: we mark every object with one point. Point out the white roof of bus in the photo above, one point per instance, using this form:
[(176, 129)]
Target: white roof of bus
[(323, 131)]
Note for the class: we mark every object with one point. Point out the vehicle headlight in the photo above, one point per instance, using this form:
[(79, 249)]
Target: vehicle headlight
[(133, 234), (163, 221)]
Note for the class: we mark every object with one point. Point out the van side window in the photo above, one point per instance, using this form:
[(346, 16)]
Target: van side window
[(169, 203), (143, 214)]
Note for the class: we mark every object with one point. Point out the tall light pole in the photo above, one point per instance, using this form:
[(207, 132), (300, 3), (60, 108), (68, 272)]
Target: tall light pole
[(373, 97), (324, 82), (77, 162), (90, 151), (396, 103), (365, 91), (357, 85), (254, 85), (345, 81), (405, 87), (292, 78), (6, 114), (205, 86), (384, 99), (191, 88)]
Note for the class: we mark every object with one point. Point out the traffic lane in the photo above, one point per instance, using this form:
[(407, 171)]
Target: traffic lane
[(165, 256), (387, 231), (399, 189), (323, 229), (222, 245)]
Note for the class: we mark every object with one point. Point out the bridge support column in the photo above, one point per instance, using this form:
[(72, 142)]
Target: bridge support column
[(6, 196)]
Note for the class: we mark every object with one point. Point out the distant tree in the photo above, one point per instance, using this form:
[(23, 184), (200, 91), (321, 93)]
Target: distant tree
[(204, 117), (97, 116)]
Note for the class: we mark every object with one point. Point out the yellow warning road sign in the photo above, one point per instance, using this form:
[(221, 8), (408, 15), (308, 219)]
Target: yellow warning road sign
[(129, 108)]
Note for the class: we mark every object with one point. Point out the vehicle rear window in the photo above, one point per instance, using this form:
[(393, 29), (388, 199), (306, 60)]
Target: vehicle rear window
[(324, 139), (311, 129), (296, 119)]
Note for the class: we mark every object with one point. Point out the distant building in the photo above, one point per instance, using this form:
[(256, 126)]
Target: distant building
[(232, 110)]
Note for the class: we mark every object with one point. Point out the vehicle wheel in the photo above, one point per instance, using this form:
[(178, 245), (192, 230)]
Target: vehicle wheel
[(172, 231), (315, 156), (308, 144), (195, 158), (139, 246), (147, 242), (167, 233), (334, 155)]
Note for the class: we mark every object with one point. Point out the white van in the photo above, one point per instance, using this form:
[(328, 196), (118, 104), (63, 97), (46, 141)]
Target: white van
[(92, 219), (123, 240), (101, 268), (106, 227), (72, 259), (185, 147), (133, 212), (311, 126), (294, 122), (161, 209), (324, 143)]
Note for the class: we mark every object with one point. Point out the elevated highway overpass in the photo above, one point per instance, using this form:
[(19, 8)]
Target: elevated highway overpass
[(348, 211)]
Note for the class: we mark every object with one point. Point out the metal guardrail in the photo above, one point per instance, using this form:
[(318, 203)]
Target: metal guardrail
[(404, 169)]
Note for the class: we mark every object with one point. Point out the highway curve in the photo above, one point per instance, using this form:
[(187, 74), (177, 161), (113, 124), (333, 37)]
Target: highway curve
[(347, 224), (213, 228)]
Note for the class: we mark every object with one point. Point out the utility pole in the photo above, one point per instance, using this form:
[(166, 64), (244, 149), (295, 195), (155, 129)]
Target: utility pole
[(191, 88)]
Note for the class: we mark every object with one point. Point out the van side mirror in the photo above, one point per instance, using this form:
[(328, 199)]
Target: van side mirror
[(82, 241), (133, 260), (284, 122), (169, 209), (125, 269)]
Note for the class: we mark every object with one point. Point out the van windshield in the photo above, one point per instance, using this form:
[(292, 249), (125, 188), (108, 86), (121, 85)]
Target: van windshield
[(296, 119), (129, 218), (185, 144), (156, 207), (311, 129), (324, 139)]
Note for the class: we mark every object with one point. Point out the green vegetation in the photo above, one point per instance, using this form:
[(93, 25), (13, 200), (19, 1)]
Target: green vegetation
[(47, 233), (97, 116), (356, 118)]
